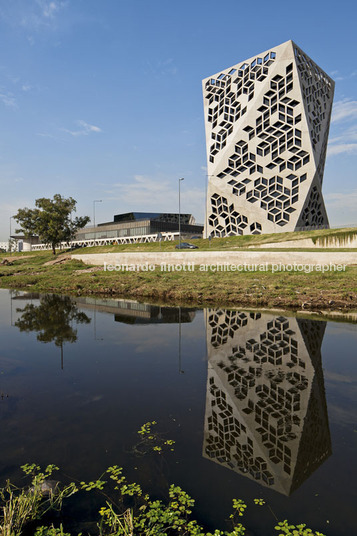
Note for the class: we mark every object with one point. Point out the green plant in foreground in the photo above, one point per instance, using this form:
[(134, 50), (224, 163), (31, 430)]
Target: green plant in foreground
[(151, 441), (51, 531), (21, 505), (128, 510), (135, 513), (295, 530)]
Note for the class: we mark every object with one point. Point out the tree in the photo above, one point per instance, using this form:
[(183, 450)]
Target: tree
[(51, 220), (53, 319)]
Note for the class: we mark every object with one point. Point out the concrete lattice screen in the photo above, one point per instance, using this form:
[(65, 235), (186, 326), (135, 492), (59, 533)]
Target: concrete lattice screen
[(267, 123), (266, 415)]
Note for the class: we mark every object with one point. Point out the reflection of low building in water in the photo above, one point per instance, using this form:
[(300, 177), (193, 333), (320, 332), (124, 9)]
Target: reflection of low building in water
[(132, 312), (266, 415)]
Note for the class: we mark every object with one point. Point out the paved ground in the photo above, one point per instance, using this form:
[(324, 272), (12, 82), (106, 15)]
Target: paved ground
[(221, 257)]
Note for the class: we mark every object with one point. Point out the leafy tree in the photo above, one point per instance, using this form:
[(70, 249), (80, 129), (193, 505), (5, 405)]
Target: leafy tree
[(51, 220)]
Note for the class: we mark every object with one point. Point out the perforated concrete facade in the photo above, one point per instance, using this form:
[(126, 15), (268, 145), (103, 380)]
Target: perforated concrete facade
[(267, 122), (266, 415)]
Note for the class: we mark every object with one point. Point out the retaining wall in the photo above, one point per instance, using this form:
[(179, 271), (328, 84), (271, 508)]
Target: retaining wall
[(220, 257), (349, 242)]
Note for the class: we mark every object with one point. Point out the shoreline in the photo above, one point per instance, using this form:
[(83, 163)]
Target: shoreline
[(315, 292)]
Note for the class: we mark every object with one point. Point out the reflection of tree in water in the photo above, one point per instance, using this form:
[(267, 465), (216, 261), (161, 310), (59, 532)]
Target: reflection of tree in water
[(53, 319)]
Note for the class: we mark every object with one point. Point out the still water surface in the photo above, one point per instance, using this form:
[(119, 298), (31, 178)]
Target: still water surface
[(259, 404)]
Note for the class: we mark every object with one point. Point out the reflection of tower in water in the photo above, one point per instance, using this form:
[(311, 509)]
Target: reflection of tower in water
[(266, 415)]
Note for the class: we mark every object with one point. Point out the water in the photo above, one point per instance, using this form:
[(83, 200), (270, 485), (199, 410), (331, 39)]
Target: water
[(260, 405)]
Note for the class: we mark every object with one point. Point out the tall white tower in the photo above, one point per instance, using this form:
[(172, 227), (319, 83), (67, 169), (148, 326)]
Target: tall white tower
[(267, 123)]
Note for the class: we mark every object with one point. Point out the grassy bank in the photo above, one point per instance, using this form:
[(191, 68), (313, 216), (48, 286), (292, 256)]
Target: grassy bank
[(290, 290), (322, 239)]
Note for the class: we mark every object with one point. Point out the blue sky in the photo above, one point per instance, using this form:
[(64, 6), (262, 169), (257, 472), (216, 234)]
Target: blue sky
[(102, 99)]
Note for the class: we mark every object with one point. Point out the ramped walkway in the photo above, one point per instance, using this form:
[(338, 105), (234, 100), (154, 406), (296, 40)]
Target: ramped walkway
[(222, 258)]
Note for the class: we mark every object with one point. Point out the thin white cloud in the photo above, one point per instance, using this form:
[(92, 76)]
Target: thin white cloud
[(10, 180), (339, 77), (18, 84), (162, 68), (346, 135), (344, 141), (344, 201), (49, 9), (344, 128), (344, 110), (342, 148), (85, 129), (8, 99), (40, 14), (46, 135)]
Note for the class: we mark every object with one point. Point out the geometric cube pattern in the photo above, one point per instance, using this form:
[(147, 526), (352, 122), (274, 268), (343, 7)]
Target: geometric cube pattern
[(266, 415), (267, 123)]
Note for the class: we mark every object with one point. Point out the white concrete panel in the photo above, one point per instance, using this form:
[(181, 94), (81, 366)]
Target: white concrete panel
[(267, 121)]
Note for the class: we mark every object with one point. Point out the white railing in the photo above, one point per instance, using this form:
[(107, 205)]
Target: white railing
[(165, 237)]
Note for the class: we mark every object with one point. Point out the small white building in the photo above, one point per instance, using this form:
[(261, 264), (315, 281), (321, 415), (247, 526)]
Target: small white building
[(24, 243)]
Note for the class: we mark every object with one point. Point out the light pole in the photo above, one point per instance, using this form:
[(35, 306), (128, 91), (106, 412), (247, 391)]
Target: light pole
[(95, 322), (94, 202), (182, 179), (179, 348), (10, 248)]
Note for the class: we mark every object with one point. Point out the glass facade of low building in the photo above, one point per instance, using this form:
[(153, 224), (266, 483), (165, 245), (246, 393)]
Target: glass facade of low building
[(134, 224)]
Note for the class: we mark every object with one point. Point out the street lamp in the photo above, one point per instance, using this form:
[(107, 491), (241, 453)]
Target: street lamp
[(94, 202), (182, 179), (179, 348), (10, 248)]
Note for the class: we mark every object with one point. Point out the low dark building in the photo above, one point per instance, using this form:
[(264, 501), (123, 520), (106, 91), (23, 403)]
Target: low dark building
[(133, 224)]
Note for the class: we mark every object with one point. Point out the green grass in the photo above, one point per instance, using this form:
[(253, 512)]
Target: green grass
[(217, 244), (285, 290), (228, 243)]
